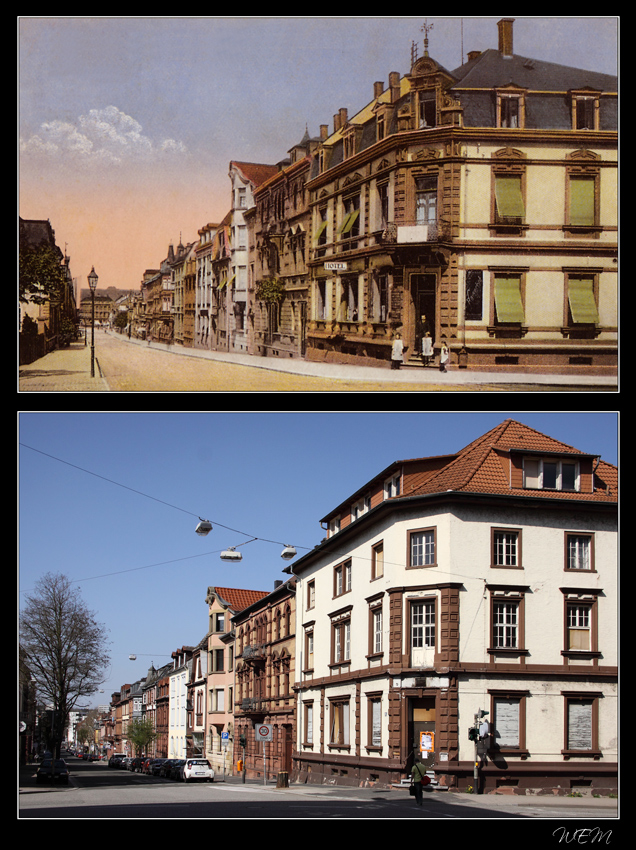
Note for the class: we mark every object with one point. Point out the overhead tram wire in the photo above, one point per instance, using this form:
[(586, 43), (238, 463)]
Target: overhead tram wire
[(219, 524)]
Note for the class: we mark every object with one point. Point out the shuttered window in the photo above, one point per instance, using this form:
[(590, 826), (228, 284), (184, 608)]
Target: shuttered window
[(508, 299), (581, 299), (509, 200), (580, 724), (582, 201), (506, 722)]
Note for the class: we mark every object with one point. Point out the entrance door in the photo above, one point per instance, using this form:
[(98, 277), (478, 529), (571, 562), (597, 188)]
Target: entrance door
[(422, 727), (423, 294)]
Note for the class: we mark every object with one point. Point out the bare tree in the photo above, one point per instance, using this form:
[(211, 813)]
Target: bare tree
[(65, 648)]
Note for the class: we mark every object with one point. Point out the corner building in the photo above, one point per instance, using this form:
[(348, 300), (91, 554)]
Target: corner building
[(480, 581), (477, 207)]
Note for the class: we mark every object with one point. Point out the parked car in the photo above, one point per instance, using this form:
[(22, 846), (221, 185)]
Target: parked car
[(197, 769), (166, 767), (155, 766), (135, 764), (53, 771), (145, 765), (175, 770), (116, 759)]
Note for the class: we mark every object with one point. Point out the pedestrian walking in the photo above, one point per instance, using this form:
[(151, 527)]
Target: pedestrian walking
[(443, 357), (419, 780), (397, 352)]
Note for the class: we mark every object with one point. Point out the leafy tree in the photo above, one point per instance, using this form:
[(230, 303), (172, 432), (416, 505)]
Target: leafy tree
[(65, 648), (140, 733), (42, 276), (270, 290)]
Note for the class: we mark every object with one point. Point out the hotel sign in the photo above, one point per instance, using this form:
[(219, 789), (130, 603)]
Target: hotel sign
[(336, 267)]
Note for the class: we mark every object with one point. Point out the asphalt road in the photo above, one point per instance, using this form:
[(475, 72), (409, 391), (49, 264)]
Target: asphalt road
[(99, 792)]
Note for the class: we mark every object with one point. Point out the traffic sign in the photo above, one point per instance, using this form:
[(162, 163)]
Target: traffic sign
[(264, 732)]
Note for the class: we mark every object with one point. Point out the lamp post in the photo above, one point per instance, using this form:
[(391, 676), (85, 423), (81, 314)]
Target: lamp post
[(92, 282)]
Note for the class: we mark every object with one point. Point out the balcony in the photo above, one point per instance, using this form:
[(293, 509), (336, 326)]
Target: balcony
[(252, 706), (254, 653)]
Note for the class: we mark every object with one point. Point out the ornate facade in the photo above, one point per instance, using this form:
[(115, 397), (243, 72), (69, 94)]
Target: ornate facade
[(477, 207), (265, 676)]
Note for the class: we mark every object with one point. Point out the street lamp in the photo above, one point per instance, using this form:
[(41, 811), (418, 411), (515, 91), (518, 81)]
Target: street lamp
[(92, 282)]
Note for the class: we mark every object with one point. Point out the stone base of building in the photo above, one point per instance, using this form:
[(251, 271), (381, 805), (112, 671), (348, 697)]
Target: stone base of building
[(546, 360), (555, 779), (350, 354)]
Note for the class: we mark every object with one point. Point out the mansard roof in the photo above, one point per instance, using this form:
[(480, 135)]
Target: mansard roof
[(490, 70)]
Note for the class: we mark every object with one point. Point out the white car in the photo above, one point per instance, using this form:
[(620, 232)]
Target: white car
[(197, 769)]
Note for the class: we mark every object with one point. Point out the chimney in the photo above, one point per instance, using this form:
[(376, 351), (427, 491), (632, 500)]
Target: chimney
[(505, 36), (394, 85), (343, 117), (378, 88), (324, 132)]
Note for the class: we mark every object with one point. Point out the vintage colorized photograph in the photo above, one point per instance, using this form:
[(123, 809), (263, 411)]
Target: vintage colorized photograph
[(318, 204)]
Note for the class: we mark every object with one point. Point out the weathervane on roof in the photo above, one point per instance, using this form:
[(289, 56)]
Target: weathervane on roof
[(426, 28)]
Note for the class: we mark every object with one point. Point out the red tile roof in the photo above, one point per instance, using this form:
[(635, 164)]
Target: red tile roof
[(238, 599), (256, 172), (484, 466)]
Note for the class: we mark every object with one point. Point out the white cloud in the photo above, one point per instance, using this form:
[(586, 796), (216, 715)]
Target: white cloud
[(100, 137)]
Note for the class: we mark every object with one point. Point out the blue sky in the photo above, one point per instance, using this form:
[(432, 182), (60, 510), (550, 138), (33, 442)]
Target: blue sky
[(138, 563), (128, 124)]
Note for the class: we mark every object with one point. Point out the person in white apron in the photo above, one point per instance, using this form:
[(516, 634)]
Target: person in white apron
[(444, 357), (427, 348), (397, 352)]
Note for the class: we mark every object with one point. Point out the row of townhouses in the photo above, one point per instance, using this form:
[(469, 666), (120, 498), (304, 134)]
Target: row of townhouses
[(460, 609), (475, 208)]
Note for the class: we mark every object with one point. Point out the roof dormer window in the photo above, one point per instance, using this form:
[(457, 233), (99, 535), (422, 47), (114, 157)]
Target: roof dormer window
[(551, 474)]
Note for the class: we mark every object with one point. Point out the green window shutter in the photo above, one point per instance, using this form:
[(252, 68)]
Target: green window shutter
[(348, 223), (582, 303), (581, 201), (320, 231), (508, 299), (508, 197)]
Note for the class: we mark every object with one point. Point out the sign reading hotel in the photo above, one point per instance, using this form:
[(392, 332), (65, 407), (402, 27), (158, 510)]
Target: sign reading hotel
[(336, 267)]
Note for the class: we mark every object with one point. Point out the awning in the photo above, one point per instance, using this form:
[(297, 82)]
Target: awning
[(508, 197), (582, 201), (347, 224), (582, 303), (508, 299)]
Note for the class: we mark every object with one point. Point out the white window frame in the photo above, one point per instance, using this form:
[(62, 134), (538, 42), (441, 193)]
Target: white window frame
[(423, 624), (539, 476), (392, 486), (505, 628)]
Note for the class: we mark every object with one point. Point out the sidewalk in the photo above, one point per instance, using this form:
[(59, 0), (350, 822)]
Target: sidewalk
[(64, 370), (406, 375), (606, 806)]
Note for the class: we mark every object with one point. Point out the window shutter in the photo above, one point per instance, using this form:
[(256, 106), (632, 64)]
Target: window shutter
[(508, 299), (581, 298), (507, 722), (508, 197), (582, 201), (580, 725)]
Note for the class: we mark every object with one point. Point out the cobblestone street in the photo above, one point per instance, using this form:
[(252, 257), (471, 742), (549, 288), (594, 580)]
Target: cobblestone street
[(125, 366)]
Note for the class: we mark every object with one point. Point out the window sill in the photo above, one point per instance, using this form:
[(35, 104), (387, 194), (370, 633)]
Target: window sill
[(593, 754), (511, 331)]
